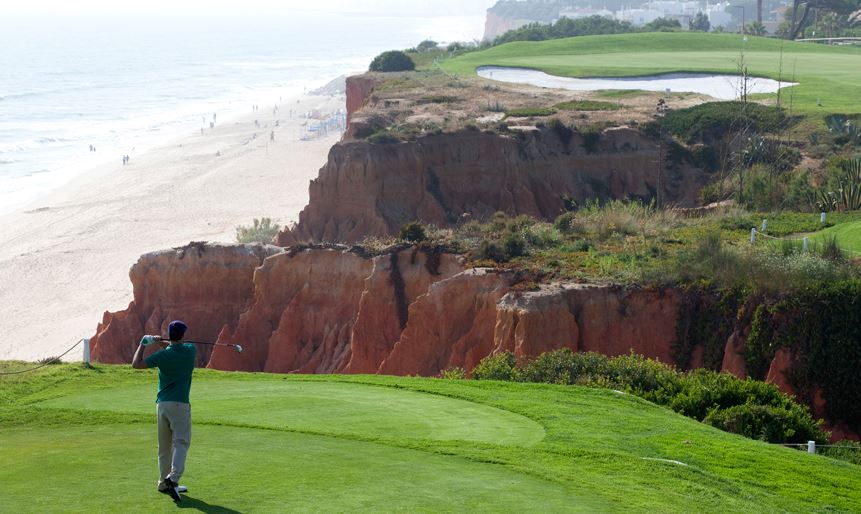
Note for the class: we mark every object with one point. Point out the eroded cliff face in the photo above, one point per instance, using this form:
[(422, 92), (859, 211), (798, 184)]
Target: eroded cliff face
[(374, 189), (332, 309), (359, 88), (206, 285)]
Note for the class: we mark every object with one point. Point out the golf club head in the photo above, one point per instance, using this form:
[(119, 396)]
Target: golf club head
[(238, 348)]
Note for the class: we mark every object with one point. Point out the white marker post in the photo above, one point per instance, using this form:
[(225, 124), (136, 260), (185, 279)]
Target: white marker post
[(764, 225), (806, 244), (86, 352), (822, 218), (753, 235), (811, 447)]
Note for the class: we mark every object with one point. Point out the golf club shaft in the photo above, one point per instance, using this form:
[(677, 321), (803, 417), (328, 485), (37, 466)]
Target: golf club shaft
[(210, 344)]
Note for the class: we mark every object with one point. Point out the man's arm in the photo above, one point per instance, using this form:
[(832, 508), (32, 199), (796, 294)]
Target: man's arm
[(138, 360)]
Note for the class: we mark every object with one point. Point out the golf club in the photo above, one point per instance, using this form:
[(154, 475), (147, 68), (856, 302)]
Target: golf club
[(236, 346)]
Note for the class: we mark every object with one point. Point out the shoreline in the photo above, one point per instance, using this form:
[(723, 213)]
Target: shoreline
[(64, 258)]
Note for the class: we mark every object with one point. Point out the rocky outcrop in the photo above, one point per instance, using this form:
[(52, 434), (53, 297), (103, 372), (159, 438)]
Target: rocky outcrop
[(359, 88), (332, 309), (206, 285), (373, 189), (496, 25)]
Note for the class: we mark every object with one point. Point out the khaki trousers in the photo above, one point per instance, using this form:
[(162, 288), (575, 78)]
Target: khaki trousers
[(174, 438)]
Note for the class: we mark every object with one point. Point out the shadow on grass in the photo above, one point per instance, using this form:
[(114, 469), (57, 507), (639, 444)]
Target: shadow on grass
[(193, 503)]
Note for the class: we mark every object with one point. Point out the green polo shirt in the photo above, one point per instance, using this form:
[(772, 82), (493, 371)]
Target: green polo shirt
[(175, 364)]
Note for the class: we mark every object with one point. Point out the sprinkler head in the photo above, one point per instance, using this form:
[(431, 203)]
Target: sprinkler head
[(238, 348)]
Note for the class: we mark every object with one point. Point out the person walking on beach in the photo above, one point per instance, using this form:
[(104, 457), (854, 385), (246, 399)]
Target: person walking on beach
[(175, 363)]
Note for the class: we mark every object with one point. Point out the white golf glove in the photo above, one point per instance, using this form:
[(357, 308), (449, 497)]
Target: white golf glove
[(148, 340)]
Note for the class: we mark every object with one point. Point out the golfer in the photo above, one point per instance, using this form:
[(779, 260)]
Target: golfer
[(175, 363)]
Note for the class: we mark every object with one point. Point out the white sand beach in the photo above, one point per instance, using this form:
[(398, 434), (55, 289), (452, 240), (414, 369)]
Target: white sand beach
[(64, 259)]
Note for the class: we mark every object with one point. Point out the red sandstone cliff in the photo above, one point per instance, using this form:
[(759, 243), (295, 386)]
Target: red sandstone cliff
[(206, 285), (408, 311), (374, 189), (359, 88)]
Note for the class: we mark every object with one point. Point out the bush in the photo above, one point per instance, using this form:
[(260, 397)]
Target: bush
[(501, 366), (413, 232), (747, 407), (492, 251), (766, 423), (393, 60), (514, 246), (262, 231), (427, 45), (712, 121)]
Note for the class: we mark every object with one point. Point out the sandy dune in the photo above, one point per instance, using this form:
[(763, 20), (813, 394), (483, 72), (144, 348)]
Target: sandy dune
[(64, 260)]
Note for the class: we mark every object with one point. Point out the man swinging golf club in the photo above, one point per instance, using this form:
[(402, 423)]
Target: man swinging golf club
[(175, 363)]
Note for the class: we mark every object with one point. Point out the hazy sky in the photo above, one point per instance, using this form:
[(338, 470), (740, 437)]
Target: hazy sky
[(401, 7)]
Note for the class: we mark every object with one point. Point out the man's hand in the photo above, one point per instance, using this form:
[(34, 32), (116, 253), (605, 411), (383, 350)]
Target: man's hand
[(148, 340), (138, 361)]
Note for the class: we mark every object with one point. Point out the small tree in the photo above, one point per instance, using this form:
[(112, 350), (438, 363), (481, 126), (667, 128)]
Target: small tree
[(262, 231), (393, 60), (700, 23), (413, 232), (427, 45)]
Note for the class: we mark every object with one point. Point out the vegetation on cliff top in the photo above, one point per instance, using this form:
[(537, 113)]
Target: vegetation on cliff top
[(355, 443)]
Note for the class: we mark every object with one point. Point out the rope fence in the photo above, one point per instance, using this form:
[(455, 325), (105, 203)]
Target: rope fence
[(55, 359), (804, 241)]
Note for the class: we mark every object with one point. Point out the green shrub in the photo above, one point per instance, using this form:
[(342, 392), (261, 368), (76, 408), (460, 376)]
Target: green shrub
[(393, 60), (492, 251), (712, 121), (261, 231), (514, 246), (413, 232), (748, 407), (502, 366), (766, 423)]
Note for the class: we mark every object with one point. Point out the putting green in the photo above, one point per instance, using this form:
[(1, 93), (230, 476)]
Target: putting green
[(327, 407), (113, 468)]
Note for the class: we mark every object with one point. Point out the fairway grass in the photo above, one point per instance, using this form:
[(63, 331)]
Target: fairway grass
[(829, 77), (848, 237), (78, 440)]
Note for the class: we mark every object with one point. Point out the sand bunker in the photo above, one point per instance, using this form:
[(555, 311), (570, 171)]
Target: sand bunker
[(722, 87)]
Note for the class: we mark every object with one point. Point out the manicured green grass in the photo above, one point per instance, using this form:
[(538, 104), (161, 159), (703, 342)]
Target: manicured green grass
[(848, 236), (82, 440), (829, 74)]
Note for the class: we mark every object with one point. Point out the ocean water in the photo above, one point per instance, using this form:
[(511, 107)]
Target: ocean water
[(124, 83)]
